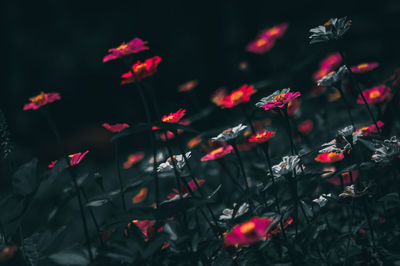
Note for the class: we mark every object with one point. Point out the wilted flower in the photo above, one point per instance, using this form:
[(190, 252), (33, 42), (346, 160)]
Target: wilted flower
[(228, 213), (387, 151), (188, 86), (132, 47), (133, 159), (364, 67), (76, 158), (230, 133), (374, 95), (42, 99), (217, 153), (238, 96), (322, 200), (346, 131), (288, 165), (262, 136), (115, 128), (339, 145), (334, 29), (350, 191), (140, 196), (249, 232), (345, 177), (174, 117), (329, 157), (333, 77), (218, 95), (305, 127), (260, 45), (184, 190), (7, 253), (141, 70), (278, 99), (179, 162)]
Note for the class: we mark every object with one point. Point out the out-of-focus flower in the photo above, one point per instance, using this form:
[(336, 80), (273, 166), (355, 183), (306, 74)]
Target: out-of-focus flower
[(188, 86), (305, 127), (260, 124), (288, 164), (179, 162), (262, 136), (133, 159), (345, 177), (278, 229), (141, 70), (350, 191), (260, 45), (329, 63), (227, 214), (52, 164), (333, 77), (238, 96), (217, 153), (366, 131), (147, 228), (132, 47), (218, 95), (184, 190), (387, 151), (115, 128), (293, 107), (334, 96), (243, 66), (322, 200), (140, 196), (174, 117), (334, 29), (230, 133), (246, 145), (275, 32), (194, 142), (42, 99), (7, 253), (329, 157), (374, 95), (278, 99), (76, 158), (364, 67), (249, 232)]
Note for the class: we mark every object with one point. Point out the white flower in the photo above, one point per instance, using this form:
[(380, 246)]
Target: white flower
[(334, 29), (334, 77), (286, 166), (271, 98), (338, 144), (347, 131), (350, 192), (322, 200), (227, 213), (179, 162), (230, 133)]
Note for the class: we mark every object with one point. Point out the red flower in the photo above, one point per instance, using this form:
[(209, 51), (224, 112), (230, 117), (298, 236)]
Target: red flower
[(364, 67), (329, 157), (217, 153), (184, 189), (305, 127), (374, 95), (174, 117), (246, 145), (133, 159), (249, 232), (345, 177), (260, 45), (238, 96), (141, 70), (365, 131), (275, 32), (76, 158), (132, 47), (140, 196), (115, 128), (262, 136), (218, 96), (188, 86), (42, 99), (7, 253), (278, 99)]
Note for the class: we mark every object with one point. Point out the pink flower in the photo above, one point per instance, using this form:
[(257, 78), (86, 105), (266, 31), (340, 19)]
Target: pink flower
[(133, 159), (329, 63), (369, 130), (140, 196), (141, 70), (249, 232), (217, 153), (188, 86), (132, 47), (174, 117), (329, 157), (278, 99), (374, 95), (275, 32), (238, 96), (345, 177), (52, 164), (184, 190), (260, 45), (364, 67), (42, 99), (262, 136), (115, 128), (76, 158), (305, 127)]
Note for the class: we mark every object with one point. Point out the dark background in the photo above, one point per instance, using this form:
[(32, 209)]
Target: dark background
[(59, 45)]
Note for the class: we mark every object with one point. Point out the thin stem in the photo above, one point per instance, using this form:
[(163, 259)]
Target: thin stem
[(233, 179), (248, 119), (121, 182), (289, 130), (367, 214), (96, 224), (339, 88), (241, 165)]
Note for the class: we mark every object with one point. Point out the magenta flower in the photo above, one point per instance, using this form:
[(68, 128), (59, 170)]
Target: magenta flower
[(260, 45), (374, 95), (276, 31), (132, 47), (42, 99), (115, 128), (76, 158), (364, 67), (278, 99)]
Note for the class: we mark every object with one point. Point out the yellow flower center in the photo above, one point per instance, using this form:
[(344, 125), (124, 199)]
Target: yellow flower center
[(227, 130), (140, 68), (261, 42), (273, 31), (216, 151), (236, 95), (328, 24), (122, 47), (333, 155), (280, 97), (38, 99), (247, 227), (374, 94), (361, 66)]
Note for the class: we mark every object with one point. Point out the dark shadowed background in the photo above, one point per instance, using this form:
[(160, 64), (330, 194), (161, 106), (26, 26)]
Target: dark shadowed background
[(59, 45)]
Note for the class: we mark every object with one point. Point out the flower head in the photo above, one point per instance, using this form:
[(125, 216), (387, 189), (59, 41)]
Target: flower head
[(133, 159), (333, 29), (367, 130), (218, 96), (188, 86), (249, 232), (293, 106), (262, 136), (353, 192), (76, 158), (140, 196), (238, 96), (328, 64), (7, 252), (364, 67), (288, 165), (322, 200), (227, 214), (194, 142), (134, 46), (278, 99), (260, 45), (333, 77), (387, 151), (329, 157), (345, 177), (168, 165), (305, 127), (141, 70), (275, 32), (147, 228), (374, 95), (174, 117), (42, 99), (184, 190), (230, 133), (115, 128), (217, 153)]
